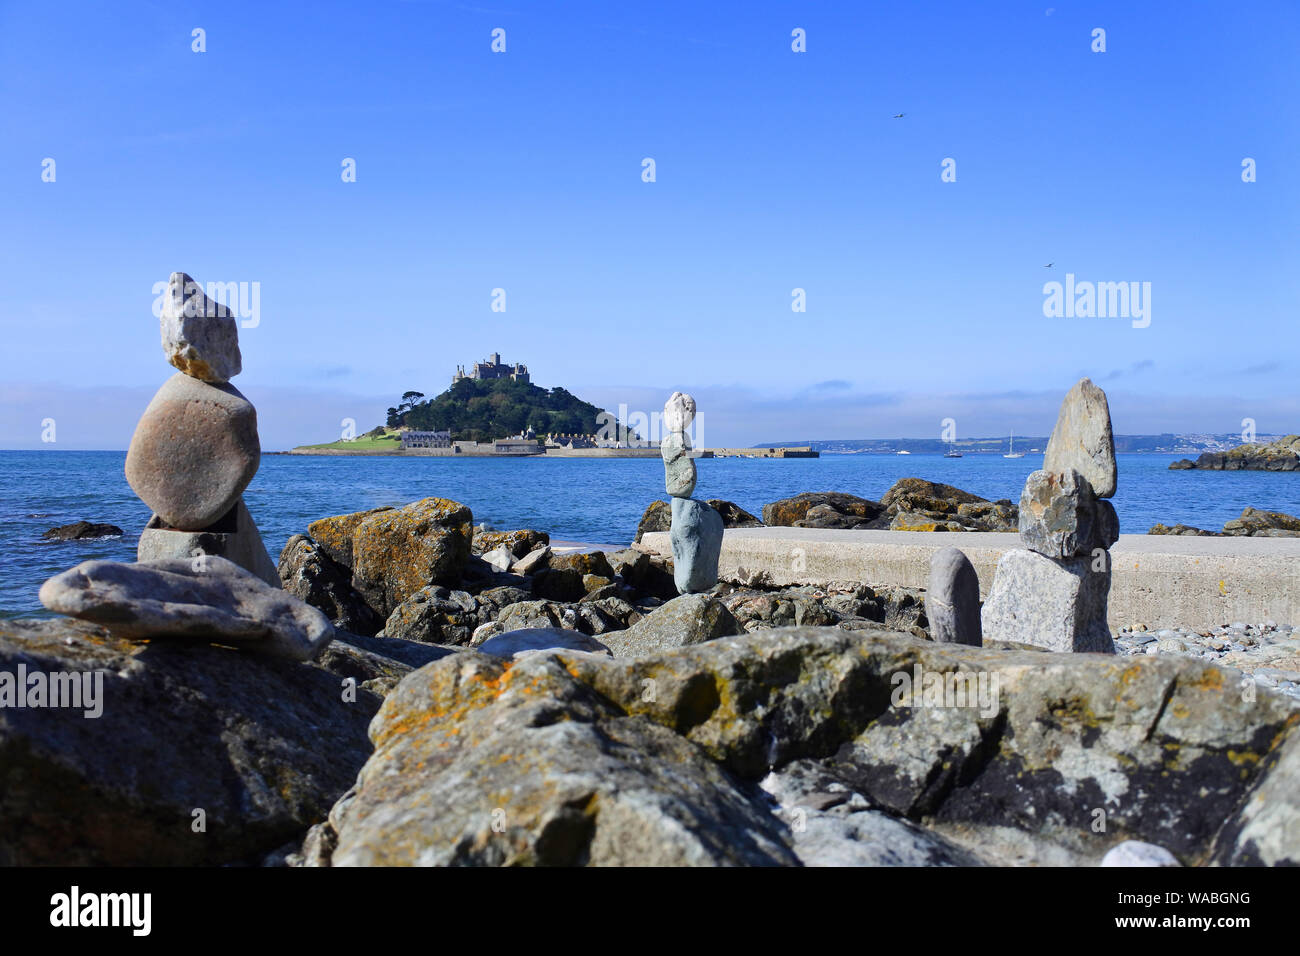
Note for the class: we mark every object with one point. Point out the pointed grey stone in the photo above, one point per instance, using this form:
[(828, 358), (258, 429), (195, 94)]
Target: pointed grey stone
[(1082, 439), (203, 598), (199, 335), (952, 599)]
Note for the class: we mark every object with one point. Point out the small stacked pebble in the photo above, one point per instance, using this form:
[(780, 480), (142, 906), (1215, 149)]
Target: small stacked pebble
[(1268, 652)]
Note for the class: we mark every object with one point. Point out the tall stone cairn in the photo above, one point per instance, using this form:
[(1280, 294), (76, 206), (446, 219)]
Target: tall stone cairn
[(696, 531), (196, 448), (1053, 592)]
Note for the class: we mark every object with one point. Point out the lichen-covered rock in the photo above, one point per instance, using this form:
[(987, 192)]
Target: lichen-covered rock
[(184, 728), (310, 575), (1280, 455), (334, 535), (435, 615), (789, 512), (584, 562), (1274, 524), (933, 491), (518, 543), (658, 516), (194, 452), (397, 552), (689, 619), (1060, 517), (480, 761)]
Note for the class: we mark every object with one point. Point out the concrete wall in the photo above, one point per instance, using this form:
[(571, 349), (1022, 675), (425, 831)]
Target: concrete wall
[(1157, 580)]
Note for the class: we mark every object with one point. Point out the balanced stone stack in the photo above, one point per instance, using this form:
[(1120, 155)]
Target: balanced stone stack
[(1053, 592), (696, 532), (196, 448)]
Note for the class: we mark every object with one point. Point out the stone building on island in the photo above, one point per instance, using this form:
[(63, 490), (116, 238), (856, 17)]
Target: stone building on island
[(492, 368)]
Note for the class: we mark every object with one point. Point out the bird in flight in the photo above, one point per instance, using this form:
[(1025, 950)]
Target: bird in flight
[(898, 116), (1049, 265)]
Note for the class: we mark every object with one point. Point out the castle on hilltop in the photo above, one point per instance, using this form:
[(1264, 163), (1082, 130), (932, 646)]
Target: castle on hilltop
[(492, 368)]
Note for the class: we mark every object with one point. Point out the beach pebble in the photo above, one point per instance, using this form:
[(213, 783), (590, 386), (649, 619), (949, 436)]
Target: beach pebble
[(199, 335)]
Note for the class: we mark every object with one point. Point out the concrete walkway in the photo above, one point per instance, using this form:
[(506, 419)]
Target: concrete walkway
[(1158, 580)]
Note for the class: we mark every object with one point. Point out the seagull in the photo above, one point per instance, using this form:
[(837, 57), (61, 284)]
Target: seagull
[(1049, 265), (898, 116)]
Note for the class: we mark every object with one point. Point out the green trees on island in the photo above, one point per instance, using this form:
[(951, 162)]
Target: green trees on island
[(487, 409)]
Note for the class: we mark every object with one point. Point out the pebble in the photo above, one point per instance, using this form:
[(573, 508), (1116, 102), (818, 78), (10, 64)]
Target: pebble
[(1212, 644)]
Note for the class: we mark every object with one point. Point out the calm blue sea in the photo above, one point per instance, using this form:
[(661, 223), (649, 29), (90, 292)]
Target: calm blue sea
[(580, 499)]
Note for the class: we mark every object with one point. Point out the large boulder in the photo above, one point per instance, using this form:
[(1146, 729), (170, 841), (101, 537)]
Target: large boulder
[(480, 761), (1269, 524), (981, 755), (194, 452), (200, 755), (81, 531), (932, 494), (435, 615), (397, 552), (696, 539), (333, 535), (1059, 605)]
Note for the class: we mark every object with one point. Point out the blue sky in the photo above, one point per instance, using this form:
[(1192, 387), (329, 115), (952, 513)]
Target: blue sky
[(775, 170)]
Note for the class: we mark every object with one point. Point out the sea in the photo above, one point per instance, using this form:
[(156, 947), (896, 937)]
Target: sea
[(591, 500)]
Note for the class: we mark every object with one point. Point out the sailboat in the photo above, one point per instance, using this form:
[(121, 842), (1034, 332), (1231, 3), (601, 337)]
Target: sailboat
[(952, 451), (1012, 453)]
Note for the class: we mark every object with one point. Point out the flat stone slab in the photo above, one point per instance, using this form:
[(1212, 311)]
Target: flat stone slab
[(1157, 580)]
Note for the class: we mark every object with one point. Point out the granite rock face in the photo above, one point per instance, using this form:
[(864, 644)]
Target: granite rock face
[(235, 538), (206, 599), (310, 575), (184, 727), (696, 539), (199, 336), (952, 599), (395, 553), (194, 452), (1056, 604), (1082, 439)]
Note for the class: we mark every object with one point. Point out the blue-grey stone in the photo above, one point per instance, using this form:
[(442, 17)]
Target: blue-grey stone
[(696, 537), (952, 599), (679, 467)]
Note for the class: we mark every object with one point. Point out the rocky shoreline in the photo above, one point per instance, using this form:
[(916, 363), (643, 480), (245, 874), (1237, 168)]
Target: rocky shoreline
[(1281, 455)]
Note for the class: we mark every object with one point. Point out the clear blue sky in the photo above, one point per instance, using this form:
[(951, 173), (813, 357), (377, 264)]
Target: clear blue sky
[(775, 170)]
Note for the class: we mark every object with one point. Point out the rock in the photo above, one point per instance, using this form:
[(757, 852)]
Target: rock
[(657, 517), (1263, 523), (733, 516), (480, 761), (679, 412), (629, 564), (788, 512), (234, 537), (499, 557), (933, 490), (530, 640), (204, 598), (989, 516), (1265, 830), (184, 727), (649, 575), (912, 521), (518, 543), (1280, 455), (310, 575), (679, 466), (395, 553), (435, 615), (1059, 605), (533, 561), (82, 530), (334, 535), (1082, 439), (696, 539), (584, 562), (1180, 529), (199, 336), (952, 599), (194, 452), (559, 584), (1060, 517), (1182, 464), (689, 619), (1137, 853)]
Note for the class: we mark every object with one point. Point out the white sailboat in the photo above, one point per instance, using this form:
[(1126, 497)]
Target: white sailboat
[(1012, 453)]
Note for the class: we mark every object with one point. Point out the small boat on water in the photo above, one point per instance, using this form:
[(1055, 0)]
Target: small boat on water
[(903, 452), (1012, 453), (952, 453)]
